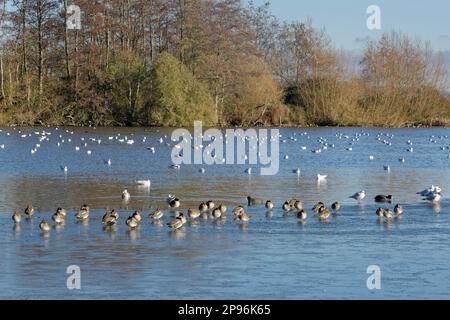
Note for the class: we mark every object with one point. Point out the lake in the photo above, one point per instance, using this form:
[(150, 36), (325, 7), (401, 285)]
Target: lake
[(271, 257)]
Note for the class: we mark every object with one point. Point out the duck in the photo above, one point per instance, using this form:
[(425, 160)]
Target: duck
[(321, 177), (238, 210), (109, 219), (302, 215), (336, 206), (244, 217), (298, 205), (29, 210), (359, 195), (203, 207), (137, 216), (175, 224), (217, 213), (254, 201), (62, 212), (156, 215), (292, 202), (223, 208), (83, 213), (324, 213), (132, 223), (125, 195), (44, 226), (318, 206), (210, 205), (383, 198), (181, 216), (388, 214), (269, 205), (380, 212), (17, 217), (287, 207), (175, 203), (398, 209), (58, 217), (193, 214)]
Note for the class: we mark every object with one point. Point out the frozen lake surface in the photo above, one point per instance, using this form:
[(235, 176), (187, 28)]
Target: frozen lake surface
[(272, 257)]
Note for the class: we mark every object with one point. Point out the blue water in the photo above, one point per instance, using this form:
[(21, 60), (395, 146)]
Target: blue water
[(272, 257)]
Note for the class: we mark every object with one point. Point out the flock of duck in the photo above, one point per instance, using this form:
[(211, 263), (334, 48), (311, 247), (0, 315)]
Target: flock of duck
[(209, 209)]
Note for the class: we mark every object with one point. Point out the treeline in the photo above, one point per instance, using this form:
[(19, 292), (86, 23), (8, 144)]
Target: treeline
[(170, 62)]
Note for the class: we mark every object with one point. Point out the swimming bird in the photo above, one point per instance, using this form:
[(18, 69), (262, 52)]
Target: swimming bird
[(359, 195), (108, 162), (181, 216), (383, 198), (244, 217), (29, 210), (302, 215), (433, 197), (223, 208), (238, 210), (203, 207), (216, 213), (132, 223), (380, 212), (318, 206), (109, 219), (324, 213), (388, 214), (336, 206), (58, 217), (254, 201), (83, 213), (176, 223), (210, 205), (193, 214), (321, 178), (432, 189), (387, 168), (144, 183), (297, 171), (137, 216), (298, 205), (175, 203), (44, 226), (156, 215), (62, 212), (287, 207), (292, 202), (125, 195), (17, 217), (269, 205), (248, 171), (398, 209)]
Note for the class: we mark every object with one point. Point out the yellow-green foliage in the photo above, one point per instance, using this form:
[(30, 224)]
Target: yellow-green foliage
[(178, 98), (129, 86)]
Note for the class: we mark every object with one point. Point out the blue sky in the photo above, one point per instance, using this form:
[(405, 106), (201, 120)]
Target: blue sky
[(345, 20)]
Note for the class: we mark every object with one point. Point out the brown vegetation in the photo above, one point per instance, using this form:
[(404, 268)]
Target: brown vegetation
[(168, 62)]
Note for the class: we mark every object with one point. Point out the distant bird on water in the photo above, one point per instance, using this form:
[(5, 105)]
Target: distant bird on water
[(254, 201), (359, 195), (125, 195), (383, 198)]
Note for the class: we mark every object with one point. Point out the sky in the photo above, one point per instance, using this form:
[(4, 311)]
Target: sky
[(345, 20)]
